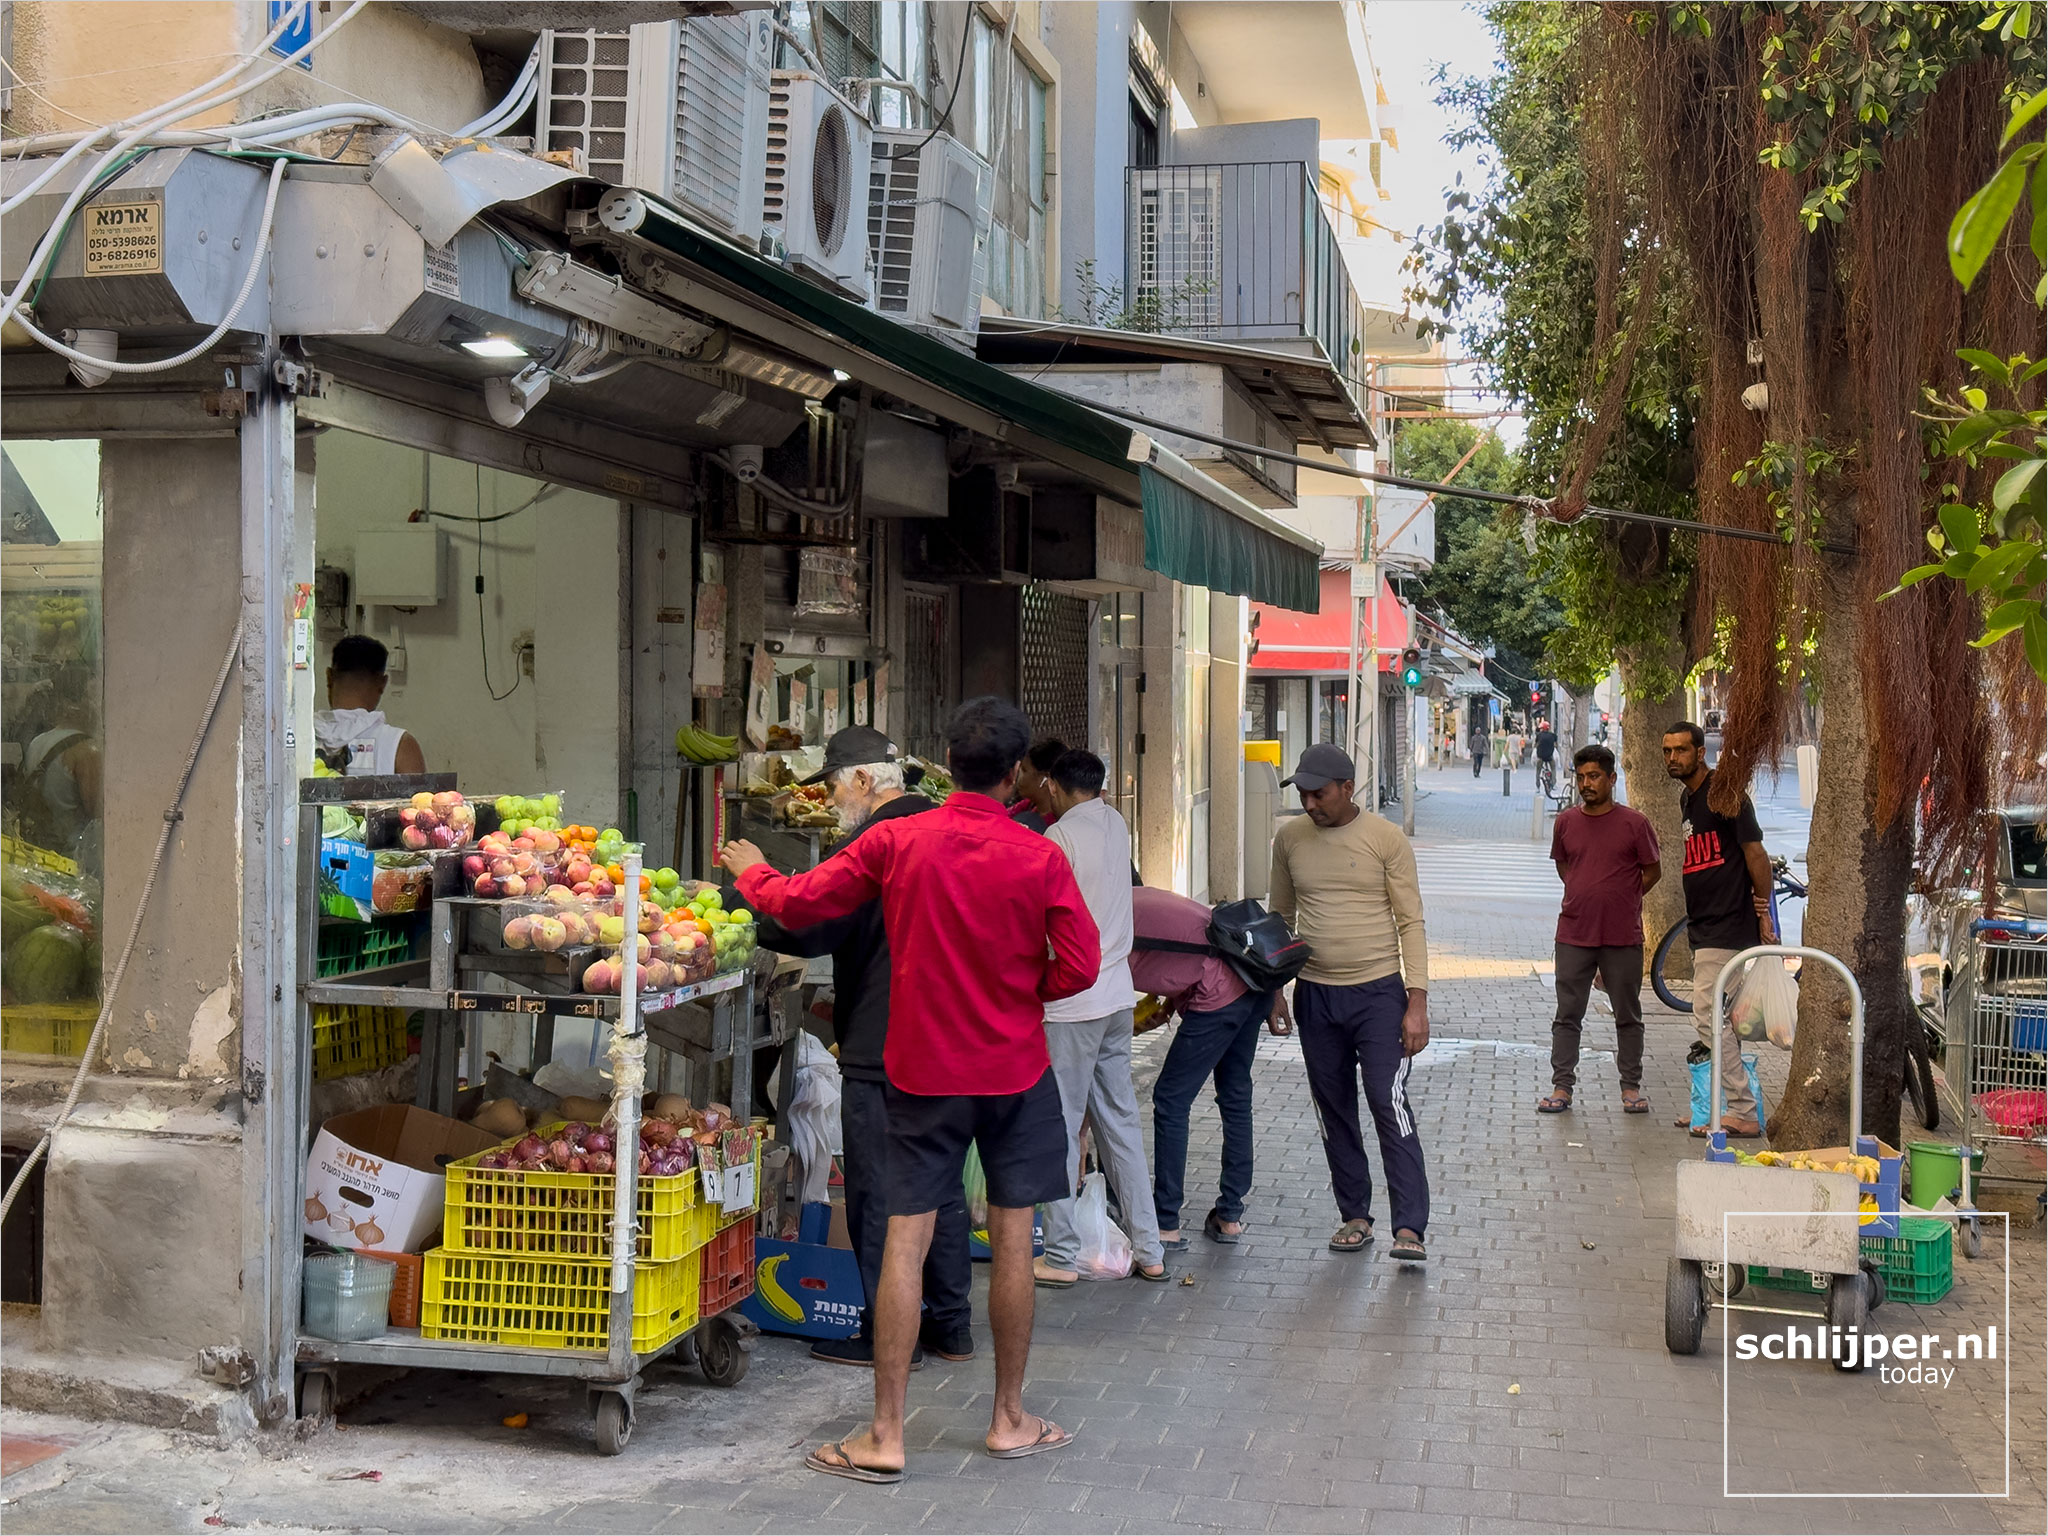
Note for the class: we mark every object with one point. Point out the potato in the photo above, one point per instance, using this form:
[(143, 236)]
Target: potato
[(576, 1107), (501, 1117)]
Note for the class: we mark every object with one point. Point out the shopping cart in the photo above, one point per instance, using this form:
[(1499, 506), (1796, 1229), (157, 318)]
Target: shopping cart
[(1997, 1064)]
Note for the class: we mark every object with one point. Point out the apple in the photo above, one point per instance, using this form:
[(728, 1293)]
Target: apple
[(545, 841), (739, 915), (423, 801), (549, 934), (475, 864), (505, 806), (413, 838), (485, 888), (611, 930), (445, 801), (518, 932), (513, 885), (462, 818), (560, 895), (551, 805)]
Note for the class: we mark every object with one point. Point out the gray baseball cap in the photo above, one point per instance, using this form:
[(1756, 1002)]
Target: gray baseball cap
[(1323, 763)]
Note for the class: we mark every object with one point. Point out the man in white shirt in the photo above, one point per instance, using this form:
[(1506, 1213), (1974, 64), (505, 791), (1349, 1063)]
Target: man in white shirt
[(352, 735), (1089, 1035)]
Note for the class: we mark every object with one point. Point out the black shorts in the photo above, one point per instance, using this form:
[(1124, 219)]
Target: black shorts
[(1022, 1138)]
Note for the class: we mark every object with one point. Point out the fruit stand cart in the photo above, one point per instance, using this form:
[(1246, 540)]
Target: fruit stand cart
[(1733, 1214), (591, 1309)]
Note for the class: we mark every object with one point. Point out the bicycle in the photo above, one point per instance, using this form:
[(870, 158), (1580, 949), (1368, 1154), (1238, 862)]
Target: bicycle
[(1923, 1030)]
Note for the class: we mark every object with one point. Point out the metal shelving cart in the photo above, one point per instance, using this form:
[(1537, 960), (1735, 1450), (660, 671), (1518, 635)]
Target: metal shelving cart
[(703, 1024), (1996, 1063), (1732, 1215)]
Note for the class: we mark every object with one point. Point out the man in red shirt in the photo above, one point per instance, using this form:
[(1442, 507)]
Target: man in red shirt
[(986, 926), (1607, 857)]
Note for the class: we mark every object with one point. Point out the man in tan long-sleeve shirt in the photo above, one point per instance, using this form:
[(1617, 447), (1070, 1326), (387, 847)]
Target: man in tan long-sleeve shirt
[(1345, 881)]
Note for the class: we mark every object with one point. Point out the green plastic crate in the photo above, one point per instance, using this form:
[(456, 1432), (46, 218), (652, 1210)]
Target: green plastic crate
[(346, 948), (1803, 1281), (1919, 1264)]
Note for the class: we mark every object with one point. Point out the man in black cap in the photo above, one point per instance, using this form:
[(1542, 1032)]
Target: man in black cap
[(1345, 881), (868, 786)]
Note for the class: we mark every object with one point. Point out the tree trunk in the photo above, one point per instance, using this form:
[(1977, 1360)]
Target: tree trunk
[(1858, 878), (1650, 789)]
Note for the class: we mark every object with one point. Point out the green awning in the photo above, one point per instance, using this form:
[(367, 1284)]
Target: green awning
[(1196, 541), (1031, 406)]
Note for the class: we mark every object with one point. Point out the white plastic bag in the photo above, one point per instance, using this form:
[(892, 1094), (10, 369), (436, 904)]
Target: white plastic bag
[(814, 1117), (1767, 1004), (1105, 1250)]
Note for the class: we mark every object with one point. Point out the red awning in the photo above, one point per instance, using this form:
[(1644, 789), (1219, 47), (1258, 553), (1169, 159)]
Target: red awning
[(1321, 642)]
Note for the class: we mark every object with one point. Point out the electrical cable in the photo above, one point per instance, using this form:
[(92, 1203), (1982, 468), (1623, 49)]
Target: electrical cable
[(166, 364), (496, 517), (784, 497), (172, 816), (483, 127), (959, 76), (482, 641)]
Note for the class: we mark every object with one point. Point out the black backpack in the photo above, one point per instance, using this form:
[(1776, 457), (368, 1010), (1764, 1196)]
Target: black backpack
[(1250, 940)]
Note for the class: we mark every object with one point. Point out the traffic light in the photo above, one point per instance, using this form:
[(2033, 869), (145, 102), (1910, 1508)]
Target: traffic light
[(1411, 668)]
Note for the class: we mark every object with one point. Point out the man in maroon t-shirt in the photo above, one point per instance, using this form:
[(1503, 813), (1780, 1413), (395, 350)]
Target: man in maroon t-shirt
[(1606, 855), (986, 926)]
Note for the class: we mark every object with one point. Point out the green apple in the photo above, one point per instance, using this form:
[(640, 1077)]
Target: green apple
[(506, 806), (666, 879), (551, 805), (739, 915)]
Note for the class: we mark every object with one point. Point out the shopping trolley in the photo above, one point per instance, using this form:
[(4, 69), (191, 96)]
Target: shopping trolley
[(1997, 1059)]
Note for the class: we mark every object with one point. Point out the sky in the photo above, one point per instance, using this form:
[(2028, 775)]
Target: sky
[(1410, 40)]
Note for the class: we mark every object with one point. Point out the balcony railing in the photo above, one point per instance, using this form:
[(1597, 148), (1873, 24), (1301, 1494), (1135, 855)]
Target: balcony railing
[(1239, 253)]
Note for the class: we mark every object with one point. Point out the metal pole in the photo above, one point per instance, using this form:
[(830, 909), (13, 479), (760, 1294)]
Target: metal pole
[(628, 1055), (273, 1150)]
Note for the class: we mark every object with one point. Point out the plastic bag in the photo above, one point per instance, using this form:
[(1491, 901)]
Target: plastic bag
[(1767, 1005), (814, 1117), (975, 1184), (1703, 1090), (1105, 1252)]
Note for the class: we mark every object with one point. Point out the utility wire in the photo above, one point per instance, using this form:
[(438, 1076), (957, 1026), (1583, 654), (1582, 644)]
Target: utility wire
[(1531, 504), (959, 75)]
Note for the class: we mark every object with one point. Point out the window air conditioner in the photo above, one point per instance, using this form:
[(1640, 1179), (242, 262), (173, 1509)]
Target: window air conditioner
[(928, 231), (676, 108), (812, 207)]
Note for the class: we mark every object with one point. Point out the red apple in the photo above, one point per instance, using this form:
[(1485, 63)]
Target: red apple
[(485, 888), (413, 838), (475, 864)]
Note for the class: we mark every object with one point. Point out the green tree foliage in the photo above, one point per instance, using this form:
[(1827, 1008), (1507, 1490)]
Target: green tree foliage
[(1513, 269), (1483, 577)]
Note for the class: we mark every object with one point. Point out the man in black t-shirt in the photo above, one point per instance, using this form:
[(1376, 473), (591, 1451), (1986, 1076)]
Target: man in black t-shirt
[(1727, 876)]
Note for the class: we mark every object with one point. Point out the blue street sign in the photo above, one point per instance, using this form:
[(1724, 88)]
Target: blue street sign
[(296, 36)]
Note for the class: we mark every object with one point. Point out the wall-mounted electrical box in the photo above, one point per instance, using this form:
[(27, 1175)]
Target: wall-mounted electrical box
[(401, 567)]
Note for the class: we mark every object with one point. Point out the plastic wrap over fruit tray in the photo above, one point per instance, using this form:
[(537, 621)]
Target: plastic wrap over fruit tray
[(419, 825)]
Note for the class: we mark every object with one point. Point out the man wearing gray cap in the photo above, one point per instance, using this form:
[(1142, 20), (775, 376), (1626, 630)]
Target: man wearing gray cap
[(1345, 881)]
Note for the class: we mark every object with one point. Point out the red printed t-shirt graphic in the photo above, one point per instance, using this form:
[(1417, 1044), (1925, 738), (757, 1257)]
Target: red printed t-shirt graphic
[(1603, 859), (985, 925), (1720, 905)]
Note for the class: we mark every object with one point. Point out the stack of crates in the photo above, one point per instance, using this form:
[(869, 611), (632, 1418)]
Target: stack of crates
[(355, 1038), (526, 1259), (1918, 1265)]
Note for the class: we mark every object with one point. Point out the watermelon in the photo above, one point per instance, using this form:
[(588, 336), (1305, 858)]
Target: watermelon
[(19, 916), (47, 964)]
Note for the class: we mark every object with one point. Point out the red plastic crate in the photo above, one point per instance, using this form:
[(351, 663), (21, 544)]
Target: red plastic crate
[(728, 1268)]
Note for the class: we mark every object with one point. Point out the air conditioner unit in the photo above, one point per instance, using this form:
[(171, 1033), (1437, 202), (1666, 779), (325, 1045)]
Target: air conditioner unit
[(818, 148), (928, 231), (676, 108)]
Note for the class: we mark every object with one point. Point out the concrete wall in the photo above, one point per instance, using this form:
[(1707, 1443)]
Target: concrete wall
[(172, 591), (1225, 746), (552, 575), (99, 63), (1093, 46), (1296, 138)]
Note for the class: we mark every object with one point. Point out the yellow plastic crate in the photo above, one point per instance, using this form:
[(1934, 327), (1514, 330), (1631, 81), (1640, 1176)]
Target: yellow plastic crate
[(48, 1029), (552, 1303), (352, 1037), (566, 1215)]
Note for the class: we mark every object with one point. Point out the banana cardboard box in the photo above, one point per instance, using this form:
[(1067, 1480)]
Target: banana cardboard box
[(375, 1180), (809, 1289)]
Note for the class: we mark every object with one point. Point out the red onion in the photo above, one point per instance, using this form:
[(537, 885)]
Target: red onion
[(600, 1162), (646, 1163), (560, 1151), (658, 1133), (575, 1130), (578, 1165), (528, 1148), (598, 1141)]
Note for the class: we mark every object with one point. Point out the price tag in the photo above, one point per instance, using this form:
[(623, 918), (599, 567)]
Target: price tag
[(799, 699), (760, 682), (882, 697), (738, 1193), (829, 713), (860, 702)]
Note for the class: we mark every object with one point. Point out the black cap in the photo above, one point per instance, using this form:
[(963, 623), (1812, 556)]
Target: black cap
[(1321, 764), (854, 747)]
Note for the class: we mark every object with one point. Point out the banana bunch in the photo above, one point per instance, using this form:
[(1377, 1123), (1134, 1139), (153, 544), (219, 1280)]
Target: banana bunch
[(1866, 1169), (700, 746)]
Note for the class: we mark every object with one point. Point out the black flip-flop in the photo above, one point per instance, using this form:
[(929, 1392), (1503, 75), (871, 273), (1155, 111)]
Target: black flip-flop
[(1639, 1105), (1165, 1274), (1174, 1244), (846, 1466), (1212, 1228), (1554, 1104)]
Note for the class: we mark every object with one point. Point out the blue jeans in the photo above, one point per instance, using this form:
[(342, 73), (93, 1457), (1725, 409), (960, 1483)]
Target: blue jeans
[(1220, 1042)]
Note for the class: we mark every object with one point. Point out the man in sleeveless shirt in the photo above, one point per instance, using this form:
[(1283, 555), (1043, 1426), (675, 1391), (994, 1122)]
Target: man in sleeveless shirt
[(352, 734)]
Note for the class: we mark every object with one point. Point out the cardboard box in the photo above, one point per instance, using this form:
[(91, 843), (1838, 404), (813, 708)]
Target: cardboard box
[(806, 1288), (374, 1178)]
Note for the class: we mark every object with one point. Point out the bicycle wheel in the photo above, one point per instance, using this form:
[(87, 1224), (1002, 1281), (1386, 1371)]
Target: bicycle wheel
[(1920, 1073), (1669, 998)]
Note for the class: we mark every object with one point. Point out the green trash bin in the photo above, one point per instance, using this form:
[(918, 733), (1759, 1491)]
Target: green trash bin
[(1934, 1168)]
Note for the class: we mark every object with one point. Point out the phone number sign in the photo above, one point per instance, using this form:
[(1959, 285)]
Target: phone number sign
[(122, 238)]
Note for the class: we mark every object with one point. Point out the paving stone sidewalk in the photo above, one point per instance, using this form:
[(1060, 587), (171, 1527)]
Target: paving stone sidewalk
[(1519, 1382)]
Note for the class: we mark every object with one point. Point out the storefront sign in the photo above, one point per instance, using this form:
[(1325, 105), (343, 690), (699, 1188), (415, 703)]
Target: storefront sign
[(124, 238)]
